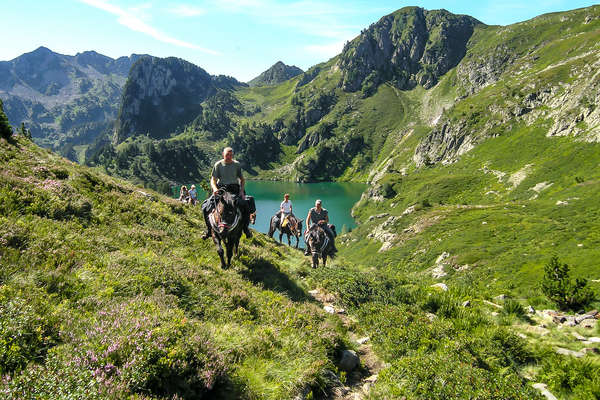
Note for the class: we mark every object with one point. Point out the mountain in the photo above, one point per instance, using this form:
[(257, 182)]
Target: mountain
[(278, 73), (162, 95), (410, 47), (63, 100)]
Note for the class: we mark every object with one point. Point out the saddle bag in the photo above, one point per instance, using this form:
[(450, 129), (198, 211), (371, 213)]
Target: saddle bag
[(251, 205), (208, 205)]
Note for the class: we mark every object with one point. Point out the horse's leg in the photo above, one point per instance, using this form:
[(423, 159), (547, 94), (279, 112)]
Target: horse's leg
[(280, 236), (297, 241), (220, 251), (315, 260), (229, 247), (324, 259)]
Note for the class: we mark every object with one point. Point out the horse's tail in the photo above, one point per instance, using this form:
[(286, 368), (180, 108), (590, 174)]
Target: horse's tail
[(271, 228)]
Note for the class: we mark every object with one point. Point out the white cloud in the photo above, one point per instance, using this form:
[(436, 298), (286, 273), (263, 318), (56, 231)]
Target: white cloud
[(135, 23), (184, 10)]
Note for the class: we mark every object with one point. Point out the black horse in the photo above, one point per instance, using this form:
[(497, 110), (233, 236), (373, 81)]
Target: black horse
[(293, 227), (321, 245), (226, 223)]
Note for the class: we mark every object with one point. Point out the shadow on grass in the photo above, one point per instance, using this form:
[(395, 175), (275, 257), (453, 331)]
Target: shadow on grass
[(262, 271)]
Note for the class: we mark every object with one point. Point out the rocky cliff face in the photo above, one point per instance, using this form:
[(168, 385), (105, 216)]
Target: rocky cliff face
[(164, 94), (63, 99), (410, 47), (278, 73)]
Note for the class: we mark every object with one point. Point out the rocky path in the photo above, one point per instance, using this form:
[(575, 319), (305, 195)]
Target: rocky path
[(361, 377)]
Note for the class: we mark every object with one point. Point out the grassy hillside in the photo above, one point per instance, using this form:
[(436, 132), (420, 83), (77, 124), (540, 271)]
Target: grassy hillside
[(108, 292)]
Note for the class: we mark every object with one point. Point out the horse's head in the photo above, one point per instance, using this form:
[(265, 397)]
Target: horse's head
[(316, 238), (227, 215), (295, 225)]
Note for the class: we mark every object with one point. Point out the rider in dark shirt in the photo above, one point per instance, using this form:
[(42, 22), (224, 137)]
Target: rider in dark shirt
[(319, 215), (227, 174)]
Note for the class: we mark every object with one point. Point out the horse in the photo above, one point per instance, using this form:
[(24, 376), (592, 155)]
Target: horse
[(226, 223), (292, 228), (321, 245)]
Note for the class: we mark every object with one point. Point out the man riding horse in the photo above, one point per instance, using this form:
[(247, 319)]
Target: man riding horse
[(227, 175), (319, 215)]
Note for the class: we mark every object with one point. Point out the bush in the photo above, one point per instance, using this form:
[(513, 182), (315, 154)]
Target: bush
[(448, 374), (581, 377), (559, 288), (26, 331)]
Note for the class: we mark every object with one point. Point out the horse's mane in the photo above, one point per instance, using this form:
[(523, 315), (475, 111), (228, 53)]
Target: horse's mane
[(227, 198)]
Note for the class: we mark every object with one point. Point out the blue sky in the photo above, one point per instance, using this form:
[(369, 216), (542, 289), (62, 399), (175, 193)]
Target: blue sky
[(238, 38)]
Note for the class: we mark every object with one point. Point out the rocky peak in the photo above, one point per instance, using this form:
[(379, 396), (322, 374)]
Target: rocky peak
[(163, 94), (279, 72), (410, 47)]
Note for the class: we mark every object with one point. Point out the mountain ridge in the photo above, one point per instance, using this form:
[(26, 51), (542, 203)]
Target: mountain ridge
[(64, 100)]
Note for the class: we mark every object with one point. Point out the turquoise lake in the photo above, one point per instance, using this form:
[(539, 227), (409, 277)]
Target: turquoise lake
[(337, 198)]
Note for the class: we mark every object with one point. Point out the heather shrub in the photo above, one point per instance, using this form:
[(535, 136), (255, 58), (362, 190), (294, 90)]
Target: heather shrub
[(140, 346), (27, 328)]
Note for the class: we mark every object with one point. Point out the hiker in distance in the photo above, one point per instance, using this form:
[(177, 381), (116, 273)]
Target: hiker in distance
[(319, 215), (227, 175)]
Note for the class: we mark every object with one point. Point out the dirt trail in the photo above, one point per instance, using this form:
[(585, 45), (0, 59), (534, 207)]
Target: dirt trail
[(359, 381)]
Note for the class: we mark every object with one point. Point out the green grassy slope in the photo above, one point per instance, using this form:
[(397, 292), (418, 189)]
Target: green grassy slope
[(108, 292)]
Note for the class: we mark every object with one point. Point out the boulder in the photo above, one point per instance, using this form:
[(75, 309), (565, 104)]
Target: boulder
[(363, 340), (441, 286), (567, 352), (329, 309), (580, 318), (543, 388), (349, 360)]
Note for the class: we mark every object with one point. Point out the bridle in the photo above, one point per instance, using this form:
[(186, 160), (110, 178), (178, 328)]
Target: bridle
[(215, 217), (319, 251)]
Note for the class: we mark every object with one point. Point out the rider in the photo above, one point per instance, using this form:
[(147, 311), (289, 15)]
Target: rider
[(227, 174), (285, 209), (319, 215)]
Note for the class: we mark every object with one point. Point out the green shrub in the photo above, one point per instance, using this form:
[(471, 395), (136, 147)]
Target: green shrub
[(514, 308), (448, 374), (5, 128), (559, 288), (581, 377), (27, 330)]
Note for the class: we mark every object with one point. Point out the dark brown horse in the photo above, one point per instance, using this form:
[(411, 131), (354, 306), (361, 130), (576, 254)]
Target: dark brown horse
[(226, 223), (321, 245), (293, 227)]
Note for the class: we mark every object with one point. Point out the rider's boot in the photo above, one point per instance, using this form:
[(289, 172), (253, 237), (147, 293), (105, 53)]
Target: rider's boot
[(245, 223), (207, 234)]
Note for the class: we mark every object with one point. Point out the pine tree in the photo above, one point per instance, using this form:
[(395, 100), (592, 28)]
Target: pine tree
[(5, 128), (26, 133)]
